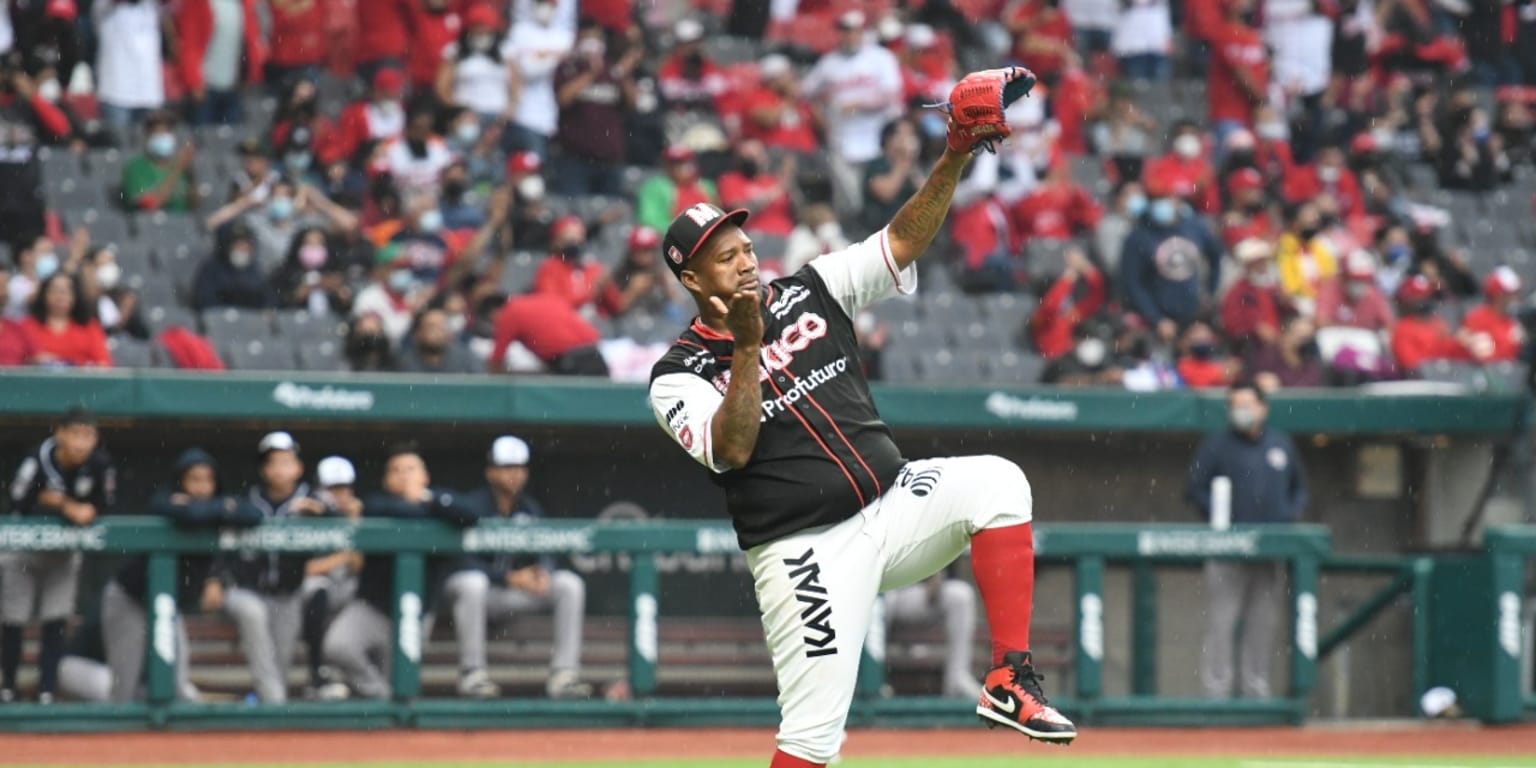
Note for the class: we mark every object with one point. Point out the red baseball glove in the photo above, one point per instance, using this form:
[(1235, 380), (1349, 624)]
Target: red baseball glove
[(976, 107)]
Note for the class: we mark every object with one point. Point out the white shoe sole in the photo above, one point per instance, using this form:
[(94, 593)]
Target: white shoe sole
[(993, 719)]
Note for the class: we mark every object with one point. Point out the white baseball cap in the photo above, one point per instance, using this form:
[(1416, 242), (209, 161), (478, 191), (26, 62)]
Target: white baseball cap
[(277, 441), (335, 470), (921, 36), (509, 451), (688, 31), (774, 64)]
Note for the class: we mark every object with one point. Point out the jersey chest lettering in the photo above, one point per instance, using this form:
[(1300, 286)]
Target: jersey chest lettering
[(794, 337)]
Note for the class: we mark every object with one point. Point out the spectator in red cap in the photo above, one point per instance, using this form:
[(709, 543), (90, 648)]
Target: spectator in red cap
[(1252, 306), (689, 80), (1419, 335), (1248, 214), (566, 272), (379, 118), (677, 189), (384, 36), (775, 112), (1057, 208), (1239, 71), (1495, 333), (473, 73), (760, 189), (551, 329), (1184, 171), (1353, 299), (215, 53), (1075, 296), (1329, 174), (298, 41), (641, 283), (435, 24)]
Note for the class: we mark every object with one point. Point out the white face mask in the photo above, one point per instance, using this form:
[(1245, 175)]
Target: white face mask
[(1187, 146), (240, 258), (1328, 173), (1091, 351), (531, 188), (1245, 419), (50, 90), (544, 13), (1270, 131), (107, 275)]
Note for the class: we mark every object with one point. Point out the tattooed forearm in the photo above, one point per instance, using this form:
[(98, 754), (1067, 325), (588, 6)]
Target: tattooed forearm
[(918, 221)]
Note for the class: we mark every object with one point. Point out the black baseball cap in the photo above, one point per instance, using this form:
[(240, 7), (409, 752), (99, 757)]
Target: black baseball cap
[(78, 416), (691, 229)]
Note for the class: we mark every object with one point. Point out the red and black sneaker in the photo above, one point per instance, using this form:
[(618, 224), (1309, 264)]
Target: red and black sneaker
[(1011, 696)]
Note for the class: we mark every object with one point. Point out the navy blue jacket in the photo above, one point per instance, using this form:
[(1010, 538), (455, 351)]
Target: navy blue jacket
[(497, 565), (1160, 268), (1268, 483), (376, 584)]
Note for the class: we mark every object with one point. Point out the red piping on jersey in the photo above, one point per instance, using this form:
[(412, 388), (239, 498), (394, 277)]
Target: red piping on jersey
[(830, 454), (890, 263), (841, 436), (686, 342), (710, 333)]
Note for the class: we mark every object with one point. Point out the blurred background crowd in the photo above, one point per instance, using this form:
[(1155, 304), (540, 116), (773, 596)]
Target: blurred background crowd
[(1306, 192)]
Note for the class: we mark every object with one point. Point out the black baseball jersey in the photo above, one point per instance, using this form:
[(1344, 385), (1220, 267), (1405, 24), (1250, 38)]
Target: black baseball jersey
[(822, 453), (94, 482), (270, 573)]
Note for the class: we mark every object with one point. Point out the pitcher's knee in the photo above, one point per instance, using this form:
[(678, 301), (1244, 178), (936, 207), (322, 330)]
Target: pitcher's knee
[(1011, 501)]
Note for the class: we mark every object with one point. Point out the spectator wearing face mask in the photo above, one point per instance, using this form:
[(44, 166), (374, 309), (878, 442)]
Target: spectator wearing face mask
[(478, 150), (1495, 333), (129, 81), (535, 45), (1127, 206), (474, 73), (817, 233), (678, 188), (858, 85), (416, 160), (314, 275), (1292, 361), (433, 347), (566, 272), (219, 46), (532, 216), (1087, 362), (689, 79), (421, 242), (595, 88), (1170, 265), (640, 283), (760, 189), (1203, 363), (1396, 257), (35, 262), (161, 178), (1352, 299), (551, 329), (1074, 297), (1330, 175), (367, 347), (278, 216), (393, 295), (117, 306), (1419, 335), (380, 117), (1184, 170), (1305, 256), (1239, 73), (1248, 214), (775, 112), (1251, 308), (232, 276)]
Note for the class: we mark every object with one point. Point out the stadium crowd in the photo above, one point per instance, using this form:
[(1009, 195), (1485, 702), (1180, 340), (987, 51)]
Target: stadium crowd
[(1310, 192)]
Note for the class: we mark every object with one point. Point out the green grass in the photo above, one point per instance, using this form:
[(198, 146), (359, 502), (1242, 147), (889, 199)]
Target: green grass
[(1017, 761)]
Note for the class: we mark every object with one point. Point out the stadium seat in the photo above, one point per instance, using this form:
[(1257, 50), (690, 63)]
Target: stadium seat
[(1008, 311), (956, 366), (135, 260), (1467, 375), (162, 316), (107, 225), (131, 353), (1046, 258), (644, 328), (227, 324), (260, 355), (162, 231), (301, 325), (74, 193), (930, 334), (1016, 368), (895, 310), (950, 309), (900, 363), (155, 289), (323, 355)]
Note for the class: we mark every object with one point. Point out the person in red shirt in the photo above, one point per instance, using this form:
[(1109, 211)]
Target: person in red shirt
[(776, 114), (752, 185), (1184, 171), (1239, 70), (434, 25), (1328, 174), (1058, 208), (689, 80), (565, 272), (1042, 38), (1493, 329), (1353, 299), (379, 118), (927, 69), (384, 35), (1251, 308), (1248, 214), (194, 23), (1075, 296), (61, 326), (1419, 335), (552, 330), (1202, 364), (298, 44)]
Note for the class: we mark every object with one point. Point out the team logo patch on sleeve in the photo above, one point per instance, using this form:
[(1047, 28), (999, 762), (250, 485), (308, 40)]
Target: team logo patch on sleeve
[(685, 436)]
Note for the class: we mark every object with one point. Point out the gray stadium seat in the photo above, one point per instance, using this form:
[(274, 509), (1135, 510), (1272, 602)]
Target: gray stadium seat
[(155, 289), (322, 355), (644, 328), (1451, 372), (895, 310), (228, 324), (1008, 311), (261, 355), (161, 316), (131, 353), (955, 366), (164, 231), (107, 225), (950, 309), (1046, 258), (74, 193), (900, 363), (1017, 368), (921, 334), (135, 260), (300, 325)]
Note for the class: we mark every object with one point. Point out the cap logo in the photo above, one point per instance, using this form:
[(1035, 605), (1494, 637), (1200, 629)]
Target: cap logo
[(675, 255), (702, 214)]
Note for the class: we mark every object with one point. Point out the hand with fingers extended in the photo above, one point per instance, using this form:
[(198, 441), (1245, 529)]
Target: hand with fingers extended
[(743, 316), (976, 107)]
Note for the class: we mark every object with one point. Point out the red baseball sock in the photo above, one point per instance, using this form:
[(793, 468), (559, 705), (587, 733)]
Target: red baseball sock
[(781, 760), (1003, 560)]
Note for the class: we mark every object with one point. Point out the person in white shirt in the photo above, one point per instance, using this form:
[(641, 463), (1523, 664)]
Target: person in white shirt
[(416, 160), (1093, 23), (475, 73), (129, 82), (859, 87), (1142, 40), (7, 32), (1302, 40), (535, 46)]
